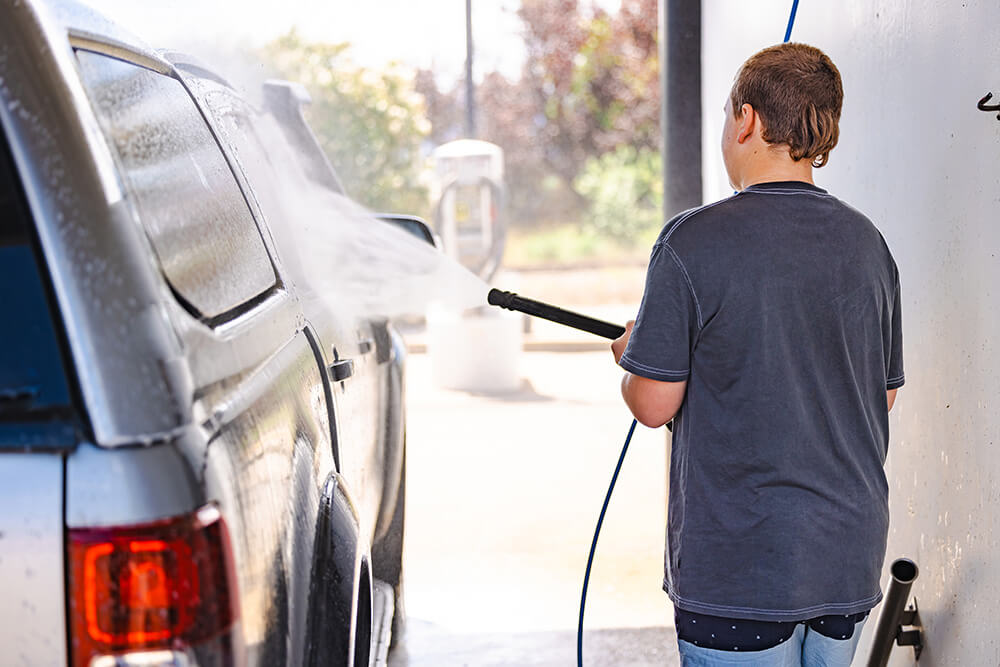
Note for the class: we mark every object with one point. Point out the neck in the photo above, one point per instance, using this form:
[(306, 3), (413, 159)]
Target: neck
[(770, 165)]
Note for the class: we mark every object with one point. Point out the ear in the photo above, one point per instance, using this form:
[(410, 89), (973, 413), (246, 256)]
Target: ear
[(748, 122)]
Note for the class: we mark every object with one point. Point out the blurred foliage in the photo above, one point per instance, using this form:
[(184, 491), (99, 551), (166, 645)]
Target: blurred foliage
[(567, 245), (371, 124), (579, 128), (590, 85), (595, 77), (554, 245), (625, 191)]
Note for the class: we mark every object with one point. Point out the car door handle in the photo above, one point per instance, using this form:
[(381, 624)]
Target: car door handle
[(340, 370)]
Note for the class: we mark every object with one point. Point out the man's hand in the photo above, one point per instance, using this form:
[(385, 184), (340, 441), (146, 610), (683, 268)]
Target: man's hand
[(618, 346)]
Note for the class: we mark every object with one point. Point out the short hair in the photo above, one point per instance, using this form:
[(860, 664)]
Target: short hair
[(797, 91)]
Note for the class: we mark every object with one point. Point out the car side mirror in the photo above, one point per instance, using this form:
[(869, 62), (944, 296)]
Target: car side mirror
[(410, 224)]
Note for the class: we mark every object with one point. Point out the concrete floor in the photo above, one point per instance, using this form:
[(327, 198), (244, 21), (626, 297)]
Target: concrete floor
[(427, 646), (503, 492)]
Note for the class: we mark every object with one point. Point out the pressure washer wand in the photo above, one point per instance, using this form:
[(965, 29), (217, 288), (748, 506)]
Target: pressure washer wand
[(512, 301)]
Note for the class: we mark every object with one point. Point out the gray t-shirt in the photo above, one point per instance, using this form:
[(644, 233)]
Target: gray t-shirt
[(780, 307)]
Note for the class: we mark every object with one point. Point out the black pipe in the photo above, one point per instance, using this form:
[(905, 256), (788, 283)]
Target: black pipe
[(511, 301), (680, 112), (904, 571), (470, 85)]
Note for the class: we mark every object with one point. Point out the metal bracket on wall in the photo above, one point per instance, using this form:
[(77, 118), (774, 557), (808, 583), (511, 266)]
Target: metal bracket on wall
[(982, 106), (914, 637)]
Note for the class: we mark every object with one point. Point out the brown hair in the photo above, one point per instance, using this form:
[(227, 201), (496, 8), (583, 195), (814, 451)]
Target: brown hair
[(796, 90)]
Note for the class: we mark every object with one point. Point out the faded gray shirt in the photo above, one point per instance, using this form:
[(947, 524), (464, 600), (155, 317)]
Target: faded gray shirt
[(780, 307)]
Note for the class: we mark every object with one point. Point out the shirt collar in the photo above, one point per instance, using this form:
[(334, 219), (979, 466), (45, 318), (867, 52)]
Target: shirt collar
[(784, 185)]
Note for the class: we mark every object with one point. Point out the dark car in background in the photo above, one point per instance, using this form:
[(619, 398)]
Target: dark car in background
[(194, 468)]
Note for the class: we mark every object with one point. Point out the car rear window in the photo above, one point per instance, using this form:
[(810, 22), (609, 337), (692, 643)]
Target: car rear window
[(195, 215), (33, 381)]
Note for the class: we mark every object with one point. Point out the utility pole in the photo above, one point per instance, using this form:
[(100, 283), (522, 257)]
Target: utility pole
[(680, 117), (470, 88)]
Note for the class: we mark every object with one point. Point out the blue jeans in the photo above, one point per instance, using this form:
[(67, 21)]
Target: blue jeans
[(805, 648)]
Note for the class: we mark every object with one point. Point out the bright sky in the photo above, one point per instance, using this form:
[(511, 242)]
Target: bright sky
[(421, 33)]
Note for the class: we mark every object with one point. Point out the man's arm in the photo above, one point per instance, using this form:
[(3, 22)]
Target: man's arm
[(890, 397), (652, 402)]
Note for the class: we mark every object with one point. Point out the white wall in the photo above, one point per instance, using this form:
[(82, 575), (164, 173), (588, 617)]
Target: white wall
[(918, 157)]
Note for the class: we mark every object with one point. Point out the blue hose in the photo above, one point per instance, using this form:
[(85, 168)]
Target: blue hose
[(791, 20), (621, 459), (593, 547)]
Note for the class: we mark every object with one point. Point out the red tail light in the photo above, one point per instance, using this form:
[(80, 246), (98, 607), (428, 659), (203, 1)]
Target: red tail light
[(162, 585)]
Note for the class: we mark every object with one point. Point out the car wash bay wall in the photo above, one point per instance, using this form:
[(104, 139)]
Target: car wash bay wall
[(923, 162)]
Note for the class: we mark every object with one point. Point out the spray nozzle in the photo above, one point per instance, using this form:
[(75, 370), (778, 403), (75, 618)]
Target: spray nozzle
[(512, 301)]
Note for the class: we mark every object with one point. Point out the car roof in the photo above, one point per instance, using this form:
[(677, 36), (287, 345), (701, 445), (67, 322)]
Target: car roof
[(84, 25)]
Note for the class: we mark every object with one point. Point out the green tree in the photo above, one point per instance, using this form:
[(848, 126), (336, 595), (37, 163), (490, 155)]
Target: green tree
[(625, 191), (595, 77), (590, 84), (370, 123)]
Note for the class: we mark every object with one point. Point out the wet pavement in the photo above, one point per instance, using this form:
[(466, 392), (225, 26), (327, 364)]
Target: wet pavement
[(630, 647), (503, 492)]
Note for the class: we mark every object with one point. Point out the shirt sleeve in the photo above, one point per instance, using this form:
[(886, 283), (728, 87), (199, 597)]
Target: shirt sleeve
[(668, 321), (894, 376)]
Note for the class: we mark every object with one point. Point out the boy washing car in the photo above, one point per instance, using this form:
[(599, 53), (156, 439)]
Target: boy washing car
[(769, 332)]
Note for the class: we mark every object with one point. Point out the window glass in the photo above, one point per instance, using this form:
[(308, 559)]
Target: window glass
[(238, 124), (32, 376), (194, 213)]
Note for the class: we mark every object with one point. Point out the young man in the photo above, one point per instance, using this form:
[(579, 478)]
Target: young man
[(769, 332)]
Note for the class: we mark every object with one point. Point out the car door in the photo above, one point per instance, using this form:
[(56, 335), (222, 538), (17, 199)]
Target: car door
[(295, 210)]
